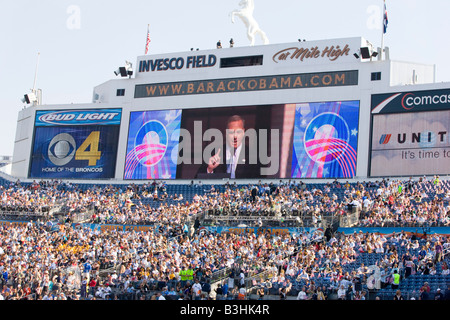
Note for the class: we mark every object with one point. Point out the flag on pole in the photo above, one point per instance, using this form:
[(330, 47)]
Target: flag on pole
[(148, 40), (385, 18)]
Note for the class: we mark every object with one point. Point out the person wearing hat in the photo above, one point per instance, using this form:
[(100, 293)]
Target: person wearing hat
[(426, 287), (438, 295)]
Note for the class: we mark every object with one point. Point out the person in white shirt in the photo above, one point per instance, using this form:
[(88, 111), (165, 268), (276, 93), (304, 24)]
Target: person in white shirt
[(356, 204), (106, 291), (341, 292), (345, 282), (196, 290), (380, 191), (159, 296), (367, 203), (302, 294), (242, 279)]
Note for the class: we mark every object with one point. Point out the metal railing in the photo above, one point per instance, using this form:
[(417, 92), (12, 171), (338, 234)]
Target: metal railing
[(349, 220), (25, 215)]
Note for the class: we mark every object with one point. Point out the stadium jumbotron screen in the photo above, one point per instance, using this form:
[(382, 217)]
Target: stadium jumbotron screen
[(307, 140)]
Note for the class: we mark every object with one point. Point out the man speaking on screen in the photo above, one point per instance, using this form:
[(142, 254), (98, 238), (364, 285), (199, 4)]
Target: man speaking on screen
[(237, 162)]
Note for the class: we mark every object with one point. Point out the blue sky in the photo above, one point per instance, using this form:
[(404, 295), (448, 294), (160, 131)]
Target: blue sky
[(82, 42)]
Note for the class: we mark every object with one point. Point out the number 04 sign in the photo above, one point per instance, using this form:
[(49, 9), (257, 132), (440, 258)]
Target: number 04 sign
[(89, 149), (75, 144)]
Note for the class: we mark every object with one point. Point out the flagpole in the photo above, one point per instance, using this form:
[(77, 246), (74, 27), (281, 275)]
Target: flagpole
[(383, 22), (382, 30), (35, 78)]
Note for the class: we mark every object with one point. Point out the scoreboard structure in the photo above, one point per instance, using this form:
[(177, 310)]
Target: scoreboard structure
[(309, 110)]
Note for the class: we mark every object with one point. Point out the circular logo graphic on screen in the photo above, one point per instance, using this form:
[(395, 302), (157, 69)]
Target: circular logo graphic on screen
[(150, 144), (61, 149), (326, 137)]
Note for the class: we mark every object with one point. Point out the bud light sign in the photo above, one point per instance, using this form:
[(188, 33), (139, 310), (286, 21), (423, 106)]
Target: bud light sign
[(84, 117), (75, 144)]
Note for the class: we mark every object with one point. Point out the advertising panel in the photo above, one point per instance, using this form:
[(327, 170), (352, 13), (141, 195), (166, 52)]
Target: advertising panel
[(410, 144), (411, 101), (78, 144), (325, 140)]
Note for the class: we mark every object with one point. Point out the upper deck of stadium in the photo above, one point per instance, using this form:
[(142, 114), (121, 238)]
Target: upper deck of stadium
[(277, 87)]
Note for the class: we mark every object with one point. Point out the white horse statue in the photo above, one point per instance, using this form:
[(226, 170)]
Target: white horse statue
[(246, 15)]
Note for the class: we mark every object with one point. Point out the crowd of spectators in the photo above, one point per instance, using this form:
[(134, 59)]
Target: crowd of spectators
[(67, 263), (43, 262), (382, 203)]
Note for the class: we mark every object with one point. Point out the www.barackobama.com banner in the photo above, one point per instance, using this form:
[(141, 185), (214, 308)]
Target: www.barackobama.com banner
[(274, 82), (78, 144)]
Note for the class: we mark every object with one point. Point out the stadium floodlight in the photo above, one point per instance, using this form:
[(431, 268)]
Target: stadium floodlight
[(367, 52), (122, 71), (125, 71), (29, 98)]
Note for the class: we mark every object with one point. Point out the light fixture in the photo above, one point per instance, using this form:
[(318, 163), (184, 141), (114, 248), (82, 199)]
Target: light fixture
[(125, 71), (365, 52), (29, 98), (368, 52)]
